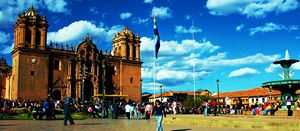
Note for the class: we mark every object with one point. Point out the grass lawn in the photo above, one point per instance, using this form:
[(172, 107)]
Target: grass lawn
[(28, 116)]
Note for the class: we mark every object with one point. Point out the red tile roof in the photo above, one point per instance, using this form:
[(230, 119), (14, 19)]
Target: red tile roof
[(246, 93), (171, 93)]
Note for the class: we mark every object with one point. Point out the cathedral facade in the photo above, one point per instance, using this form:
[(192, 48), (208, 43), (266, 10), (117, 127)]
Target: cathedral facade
[(41, 70)]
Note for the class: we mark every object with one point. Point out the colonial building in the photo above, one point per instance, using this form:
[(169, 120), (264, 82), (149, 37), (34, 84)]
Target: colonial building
[(177, 96), (250, 97), (5, 72), (41, 70)]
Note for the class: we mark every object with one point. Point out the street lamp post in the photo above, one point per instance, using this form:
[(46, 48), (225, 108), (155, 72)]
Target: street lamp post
[(218, 93), (271, 92), (161, 93), (141, 90), (82, 86), (103, 70)]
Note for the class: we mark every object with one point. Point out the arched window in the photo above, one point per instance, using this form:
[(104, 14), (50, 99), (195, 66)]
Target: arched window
[(127, 50), (131, 80), (133, 50), (27, 37), (38, 38)]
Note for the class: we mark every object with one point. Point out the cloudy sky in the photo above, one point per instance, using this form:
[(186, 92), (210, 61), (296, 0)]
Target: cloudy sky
[(235, 41)]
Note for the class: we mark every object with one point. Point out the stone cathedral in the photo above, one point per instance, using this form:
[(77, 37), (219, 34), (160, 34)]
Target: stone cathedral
[(41, 70)]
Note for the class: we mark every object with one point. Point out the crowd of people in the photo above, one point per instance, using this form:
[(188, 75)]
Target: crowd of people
[(132, 110), (102, 109)]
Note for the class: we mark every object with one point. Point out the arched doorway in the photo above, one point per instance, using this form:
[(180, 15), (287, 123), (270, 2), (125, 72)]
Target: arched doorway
[(56, 95), (88, 90)]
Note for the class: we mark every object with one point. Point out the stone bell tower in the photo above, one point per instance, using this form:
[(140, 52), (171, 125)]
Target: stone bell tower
[(127, 78), (127, 45), (30, 58), (30, 30)]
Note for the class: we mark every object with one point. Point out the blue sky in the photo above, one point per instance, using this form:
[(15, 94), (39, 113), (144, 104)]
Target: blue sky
[(235, 41)]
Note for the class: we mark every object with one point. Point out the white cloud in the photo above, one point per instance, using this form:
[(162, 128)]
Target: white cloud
[(296, 66), (94, 10), (7, 49), (171, 70), (138, 21), (187, 17), (293, 28), (125, 15), (174, 48), (221, 61), (9, 9), (182, 30), (250, 8), (271, 27), (272, 68), (176, 61), (161, 12), (56, 5), (148, 1), (76, 31), (4, 37), (165, 74), (240, 27), (244, 72)]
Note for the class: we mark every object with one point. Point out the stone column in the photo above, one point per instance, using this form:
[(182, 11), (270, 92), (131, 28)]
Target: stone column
[(15, 37), (130, 51), (137, 52), (43, 38), (21, 35), (33, 32), (124, 50), (121, 77)]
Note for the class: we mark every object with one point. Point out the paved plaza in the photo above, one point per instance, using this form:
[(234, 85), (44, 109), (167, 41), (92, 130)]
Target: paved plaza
[(171, 123), (98, 124)]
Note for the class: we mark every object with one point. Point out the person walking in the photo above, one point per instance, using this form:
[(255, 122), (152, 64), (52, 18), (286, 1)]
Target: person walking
[(131, 111), (138, 111), (148, 110), (214, 106), (159, 112), (205, 104), (174, 104), (127, 109), (47, 108), (68, 112)]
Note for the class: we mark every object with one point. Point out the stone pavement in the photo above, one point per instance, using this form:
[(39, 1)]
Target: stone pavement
[(98, 124)]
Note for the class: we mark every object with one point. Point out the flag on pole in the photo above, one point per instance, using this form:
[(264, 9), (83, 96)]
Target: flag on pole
[(156, 37)]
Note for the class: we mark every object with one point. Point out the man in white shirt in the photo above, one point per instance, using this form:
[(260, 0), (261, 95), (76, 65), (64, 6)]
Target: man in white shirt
[(148, 111), (174, 107), (127, 110)]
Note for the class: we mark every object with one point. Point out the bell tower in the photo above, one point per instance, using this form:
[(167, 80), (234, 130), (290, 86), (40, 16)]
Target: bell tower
[(30, 30), (127, 78), (127, 45), (30, 57)]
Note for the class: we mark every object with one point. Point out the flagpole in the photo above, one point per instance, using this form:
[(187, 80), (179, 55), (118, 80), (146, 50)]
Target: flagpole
[(154, 67), (154, 74), (194, 75)]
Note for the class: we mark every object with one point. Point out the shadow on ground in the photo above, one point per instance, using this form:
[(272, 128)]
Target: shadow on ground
[(8, 125), (89, 124), (181, 129)]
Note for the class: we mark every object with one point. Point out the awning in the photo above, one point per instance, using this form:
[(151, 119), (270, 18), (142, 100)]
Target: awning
[(112, 95)]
